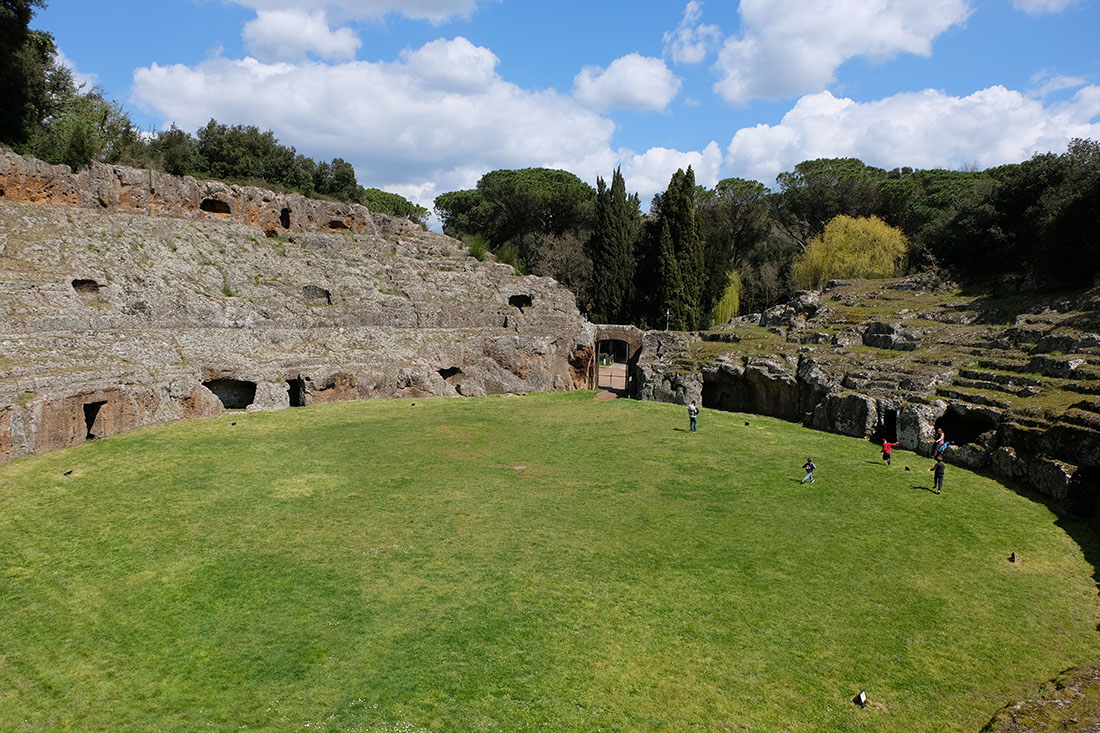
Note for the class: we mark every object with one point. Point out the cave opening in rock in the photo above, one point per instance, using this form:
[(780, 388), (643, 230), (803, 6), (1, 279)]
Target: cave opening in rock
[(235, 394), (887, 428), (449, 372), (961, 428), (85, 286), (521, 301), (296, 389), (214, 206), (284, 218), (91, 412)]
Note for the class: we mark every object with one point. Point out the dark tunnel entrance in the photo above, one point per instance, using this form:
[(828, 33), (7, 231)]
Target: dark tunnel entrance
[(233, 393), (91, 412), (887, 428), (960, 429), (296, 389)]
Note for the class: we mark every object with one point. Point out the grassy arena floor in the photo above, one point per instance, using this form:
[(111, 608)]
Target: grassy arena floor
[(548, 562)]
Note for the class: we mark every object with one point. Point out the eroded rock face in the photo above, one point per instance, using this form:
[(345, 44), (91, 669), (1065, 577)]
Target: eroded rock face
[(114, 319)]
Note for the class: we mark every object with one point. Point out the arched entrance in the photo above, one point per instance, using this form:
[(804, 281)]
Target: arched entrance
[(612, 365), (617, 350)]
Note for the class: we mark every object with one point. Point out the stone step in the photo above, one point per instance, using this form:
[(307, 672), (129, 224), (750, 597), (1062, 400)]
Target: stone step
[(1005, 365), (1082, 387), (974, 399), (1009, 380), (1087, 406), (1027, 391)]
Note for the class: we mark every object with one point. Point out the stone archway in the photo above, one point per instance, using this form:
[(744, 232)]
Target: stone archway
[(617, 350)]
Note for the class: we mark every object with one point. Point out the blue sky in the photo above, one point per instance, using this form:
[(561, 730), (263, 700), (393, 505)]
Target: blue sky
[(425, 96)]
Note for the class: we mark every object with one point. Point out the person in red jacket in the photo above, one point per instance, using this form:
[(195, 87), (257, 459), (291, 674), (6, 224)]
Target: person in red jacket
[(887, 446)]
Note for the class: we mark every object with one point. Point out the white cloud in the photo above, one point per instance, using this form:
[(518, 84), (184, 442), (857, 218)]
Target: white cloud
[(85, 82), (1036, 7), (691, 41), (922, 129), (1047, 83), (648, 173), (290, 35), (631, 82), (791, 47), (434, 11), (414, 125), (455, 65)]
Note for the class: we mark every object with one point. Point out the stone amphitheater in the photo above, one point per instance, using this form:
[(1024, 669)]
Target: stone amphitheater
[(132, 297)]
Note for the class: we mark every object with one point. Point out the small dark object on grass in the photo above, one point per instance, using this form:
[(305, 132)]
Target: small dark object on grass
[(69, 472), (232, 423), (1012, 557), (414, 404), (861, 699), (907, 468), (746, 423)]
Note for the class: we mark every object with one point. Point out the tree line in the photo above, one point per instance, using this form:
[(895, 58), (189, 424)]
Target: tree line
[(701, 255), (47, 116)]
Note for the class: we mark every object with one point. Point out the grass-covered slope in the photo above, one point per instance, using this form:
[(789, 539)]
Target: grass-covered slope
[(548, 562)]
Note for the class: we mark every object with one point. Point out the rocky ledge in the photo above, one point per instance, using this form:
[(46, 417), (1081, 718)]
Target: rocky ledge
[(1014, 381)]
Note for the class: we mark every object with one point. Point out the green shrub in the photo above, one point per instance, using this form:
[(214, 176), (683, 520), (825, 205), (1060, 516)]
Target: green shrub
[(478, 246)]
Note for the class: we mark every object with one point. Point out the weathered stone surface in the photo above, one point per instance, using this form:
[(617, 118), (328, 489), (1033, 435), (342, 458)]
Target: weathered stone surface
[(917, 425), (847, 414), (112, 320), (1051, 477)]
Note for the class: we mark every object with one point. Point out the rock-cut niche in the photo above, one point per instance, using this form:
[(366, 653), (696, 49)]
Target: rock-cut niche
[(86, 287), (91, 412), (521, 302), (215, 206), (235, 394)]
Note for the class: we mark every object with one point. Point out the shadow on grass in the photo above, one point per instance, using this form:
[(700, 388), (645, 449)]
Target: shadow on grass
[(918, 487)]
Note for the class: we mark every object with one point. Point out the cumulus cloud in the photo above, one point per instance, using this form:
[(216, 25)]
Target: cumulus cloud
[(691, 41), (631, 82), (927, 129), (434, 11), (648, 173), (456, 65), (1037, 7), (280, 35), (421, 124), (791, 47)]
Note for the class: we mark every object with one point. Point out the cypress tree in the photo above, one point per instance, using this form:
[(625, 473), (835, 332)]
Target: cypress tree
[(681, 241), (612, 250)]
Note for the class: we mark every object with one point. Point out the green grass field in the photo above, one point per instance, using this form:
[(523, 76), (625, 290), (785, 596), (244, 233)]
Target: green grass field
[(547, 562)]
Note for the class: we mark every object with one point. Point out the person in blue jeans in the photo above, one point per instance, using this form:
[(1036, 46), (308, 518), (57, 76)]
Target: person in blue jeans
[(693, 414), (808, 467)]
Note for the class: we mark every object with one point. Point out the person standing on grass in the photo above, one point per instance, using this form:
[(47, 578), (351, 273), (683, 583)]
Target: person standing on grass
[(886, 448), (693, 415), (808, 467), (937, 477)]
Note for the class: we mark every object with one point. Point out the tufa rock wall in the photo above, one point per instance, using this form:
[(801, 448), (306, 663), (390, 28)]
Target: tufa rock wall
[(113, 319)]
